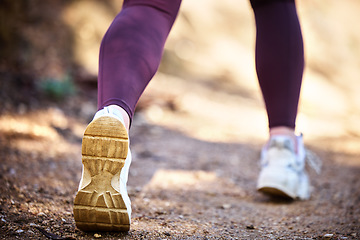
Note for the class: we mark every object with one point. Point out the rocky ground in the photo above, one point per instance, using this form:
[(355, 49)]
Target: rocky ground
[(181, 185)]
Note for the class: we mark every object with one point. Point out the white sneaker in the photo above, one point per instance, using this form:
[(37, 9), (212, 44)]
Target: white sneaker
[(283, 171), (102, 202)]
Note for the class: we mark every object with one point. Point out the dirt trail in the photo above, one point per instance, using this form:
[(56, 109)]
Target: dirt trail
[(181, 187)]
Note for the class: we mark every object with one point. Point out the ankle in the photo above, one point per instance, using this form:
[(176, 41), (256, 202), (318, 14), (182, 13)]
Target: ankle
[(124, 114), (284, 131)]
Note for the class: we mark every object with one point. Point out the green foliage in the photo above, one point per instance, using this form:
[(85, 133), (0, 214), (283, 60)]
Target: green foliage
[(57, 89)]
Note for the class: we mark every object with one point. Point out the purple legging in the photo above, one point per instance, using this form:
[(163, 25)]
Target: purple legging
[(131, 51), (279, 59)]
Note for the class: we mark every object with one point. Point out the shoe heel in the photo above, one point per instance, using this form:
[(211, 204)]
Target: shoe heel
[(98, 206)]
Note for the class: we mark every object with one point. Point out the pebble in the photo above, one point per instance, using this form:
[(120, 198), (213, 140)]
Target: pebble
[(19, 231), (12, 171), (41, 214), (226, 206), (250, 227), (97, 235), (328, 236)]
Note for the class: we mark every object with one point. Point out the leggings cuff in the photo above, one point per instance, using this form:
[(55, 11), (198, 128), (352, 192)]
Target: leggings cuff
[(259, 3), (120, 103)]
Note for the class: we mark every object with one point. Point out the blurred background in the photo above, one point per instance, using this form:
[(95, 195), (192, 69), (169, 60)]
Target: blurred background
[(206, 86)]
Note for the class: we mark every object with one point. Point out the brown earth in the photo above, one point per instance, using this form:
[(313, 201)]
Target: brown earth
[(196, 137), (182, 187)]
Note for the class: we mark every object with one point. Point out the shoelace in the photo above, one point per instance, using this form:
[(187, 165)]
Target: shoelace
[(313, 160)]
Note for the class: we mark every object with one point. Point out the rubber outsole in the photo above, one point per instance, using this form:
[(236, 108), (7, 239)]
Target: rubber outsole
[(275, 192), (98, 206)]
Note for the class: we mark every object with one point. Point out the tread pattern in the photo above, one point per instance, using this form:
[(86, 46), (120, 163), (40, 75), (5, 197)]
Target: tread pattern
[(98, 206)]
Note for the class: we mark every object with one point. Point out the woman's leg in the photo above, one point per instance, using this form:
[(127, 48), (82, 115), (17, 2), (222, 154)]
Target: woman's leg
[(130, 54), (279, 60), (131, 51), (279, 65)]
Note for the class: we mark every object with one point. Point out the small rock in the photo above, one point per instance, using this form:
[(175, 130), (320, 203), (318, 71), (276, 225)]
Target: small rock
[(160, 212), (226, 206), (250, 227), (19, 231), (353, 234), (328, 236), (3, 220), (41, 214), (12, 171), (97, 235)]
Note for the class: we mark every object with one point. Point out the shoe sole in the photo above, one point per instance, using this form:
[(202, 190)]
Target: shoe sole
[(98, 206), (276, 191), (272, 187)]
